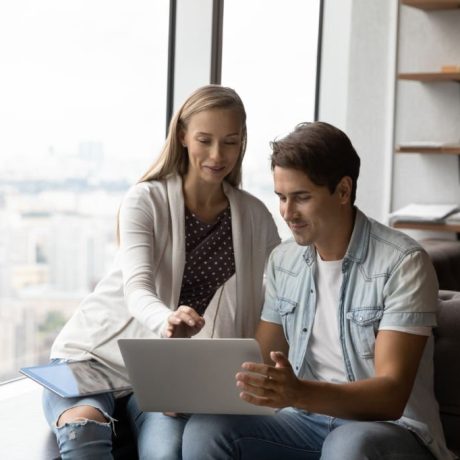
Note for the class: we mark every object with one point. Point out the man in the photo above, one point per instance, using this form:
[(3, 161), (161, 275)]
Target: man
[(352, 302)]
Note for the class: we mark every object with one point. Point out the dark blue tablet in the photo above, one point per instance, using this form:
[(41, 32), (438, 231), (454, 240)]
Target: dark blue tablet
[(77, 378)]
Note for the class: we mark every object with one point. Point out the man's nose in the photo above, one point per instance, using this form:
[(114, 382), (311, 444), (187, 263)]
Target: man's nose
[(289, 210)]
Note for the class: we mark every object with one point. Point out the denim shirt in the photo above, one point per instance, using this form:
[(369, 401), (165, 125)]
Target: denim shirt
[(388, 280)]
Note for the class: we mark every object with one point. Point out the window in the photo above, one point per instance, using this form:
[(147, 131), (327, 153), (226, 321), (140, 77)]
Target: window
[(269, 56), (83, 91)]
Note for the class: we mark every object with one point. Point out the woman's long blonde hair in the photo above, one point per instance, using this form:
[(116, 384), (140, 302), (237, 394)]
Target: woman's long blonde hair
[(173, 157)]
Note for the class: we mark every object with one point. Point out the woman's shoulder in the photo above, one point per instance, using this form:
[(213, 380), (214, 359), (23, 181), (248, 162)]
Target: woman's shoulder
[(246, 199), (147, 189)]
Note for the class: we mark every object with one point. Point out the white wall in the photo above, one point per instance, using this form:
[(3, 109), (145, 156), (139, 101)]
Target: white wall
[(357, 89)]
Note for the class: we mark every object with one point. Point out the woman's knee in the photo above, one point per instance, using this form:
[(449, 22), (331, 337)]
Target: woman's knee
[(81, 413)]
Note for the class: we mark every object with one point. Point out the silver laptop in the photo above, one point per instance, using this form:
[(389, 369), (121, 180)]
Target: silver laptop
[(190, 375)]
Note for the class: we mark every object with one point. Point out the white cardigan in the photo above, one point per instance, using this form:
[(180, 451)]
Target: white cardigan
[(144, 284)]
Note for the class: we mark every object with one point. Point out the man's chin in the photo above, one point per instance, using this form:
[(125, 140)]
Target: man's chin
[(301, 240)]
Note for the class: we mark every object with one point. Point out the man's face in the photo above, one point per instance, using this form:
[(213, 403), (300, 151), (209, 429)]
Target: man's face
[(313, 213)]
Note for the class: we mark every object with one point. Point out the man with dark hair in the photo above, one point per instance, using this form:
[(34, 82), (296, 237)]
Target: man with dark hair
[(352, 304)]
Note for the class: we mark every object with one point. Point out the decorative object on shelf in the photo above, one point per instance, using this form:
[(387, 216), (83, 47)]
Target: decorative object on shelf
[(416, 212)]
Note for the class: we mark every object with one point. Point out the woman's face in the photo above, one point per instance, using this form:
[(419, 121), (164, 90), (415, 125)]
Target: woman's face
[(213, 139)]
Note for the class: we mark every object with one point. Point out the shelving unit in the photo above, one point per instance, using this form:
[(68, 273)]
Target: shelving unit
[(439, 81)]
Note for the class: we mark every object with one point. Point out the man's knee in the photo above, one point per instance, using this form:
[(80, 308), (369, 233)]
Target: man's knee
[(207, 437), (351, 440)]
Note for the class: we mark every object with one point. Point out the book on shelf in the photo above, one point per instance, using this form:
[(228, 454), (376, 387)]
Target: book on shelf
[(427, 144), (453, 219), (416, 212)]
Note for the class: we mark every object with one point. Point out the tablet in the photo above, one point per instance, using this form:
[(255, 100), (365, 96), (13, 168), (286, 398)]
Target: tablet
[(77, 378)]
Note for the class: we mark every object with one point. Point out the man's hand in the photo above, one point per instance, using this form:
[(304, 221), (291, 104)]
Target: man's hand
[(274, 386), (185, 322)]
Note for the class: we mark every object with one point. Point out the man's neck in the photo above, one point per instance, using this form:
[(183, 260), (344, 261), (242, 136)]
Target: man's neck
[(336, 246)]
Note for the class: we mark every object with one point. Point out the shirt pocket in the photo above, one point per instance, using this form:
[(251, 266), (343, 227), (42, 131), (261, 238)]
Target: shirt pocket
[(287, 309), (364, 324)]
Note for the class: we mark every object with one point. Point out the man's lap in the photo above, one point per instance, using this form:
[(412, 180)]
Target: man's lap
[(292, 434)]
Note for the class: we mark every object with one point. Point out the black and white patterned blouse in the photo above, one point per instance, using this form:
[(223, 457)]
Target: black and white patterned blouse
[(209, 259)]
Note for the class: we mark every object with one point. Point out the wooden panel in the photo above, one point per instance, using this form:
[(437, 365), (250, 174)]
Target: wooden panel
[(427, 226), (451, 150), (433, 4), (430, 76)]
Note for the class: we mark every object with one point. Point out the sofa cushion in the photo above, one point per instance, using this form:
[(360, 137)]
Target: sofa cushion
[(447, 366), (445, 255)]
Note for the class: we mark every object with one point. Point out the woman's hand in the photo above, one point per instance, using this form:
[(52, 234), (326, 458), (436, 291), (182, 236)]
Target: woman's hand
[(185, 322)]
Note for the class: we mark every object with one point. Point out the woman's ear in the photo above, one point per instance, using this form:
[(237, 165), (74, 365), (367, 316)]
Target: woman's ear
[(181, 138), (344, 188)]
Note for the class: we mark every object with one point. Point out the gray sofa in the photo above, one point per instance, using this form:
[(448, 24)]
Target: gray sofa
[(41, 444), (447, 366), (447, 378)]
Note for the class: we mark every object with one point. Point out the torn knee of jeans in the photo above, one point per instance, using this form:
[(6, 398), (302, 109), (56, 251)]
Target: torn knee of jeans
[(82, 421)]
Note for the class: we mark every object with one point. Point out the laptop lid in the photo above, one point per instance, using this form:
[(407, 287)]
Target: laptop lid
[(70, 379), (190, 375)]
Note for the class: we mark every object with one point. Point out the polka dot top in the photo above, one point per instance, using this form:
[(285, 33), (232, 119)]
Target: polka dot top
[(209, 259)]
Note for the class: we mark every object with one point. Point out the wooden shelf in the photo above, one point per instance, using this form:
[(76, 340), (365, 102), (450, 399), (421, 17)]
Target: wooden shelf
[(432, 226), (447, 150), (433, 4), (430, 76)]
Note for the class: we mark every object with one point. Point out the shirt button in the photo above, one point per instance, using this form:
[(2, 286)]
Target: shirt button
[(297, 368), (304, 329), (311, 291)]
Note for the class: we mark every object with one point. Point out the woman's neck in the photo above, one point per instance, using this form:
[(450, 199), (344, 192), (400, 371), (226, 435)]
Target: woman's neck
[(206, 201)]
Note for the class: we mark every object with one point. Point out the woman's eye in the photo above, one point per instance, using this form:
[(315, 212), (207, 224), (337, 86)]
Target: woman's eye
[(203, 141)]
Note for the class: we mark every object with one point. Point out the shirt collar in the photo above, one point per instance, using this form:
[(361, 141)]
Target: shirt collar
[(357, 247)]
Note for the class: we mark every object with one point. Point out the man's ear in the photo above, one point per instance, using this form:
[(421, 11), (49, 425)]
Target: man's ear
[(344, 188)]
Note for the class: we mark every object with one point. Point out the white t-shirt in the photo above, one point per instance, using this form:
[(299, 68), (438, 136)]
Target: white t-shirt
[(324, 351)]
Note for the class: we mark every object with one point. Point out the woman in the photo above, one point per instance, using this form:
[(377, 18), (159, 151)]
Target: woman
[(192, 253)]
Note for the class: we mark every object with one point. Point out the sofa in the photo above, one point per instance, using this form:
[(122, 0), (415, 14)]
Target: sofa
[(447, 366), (447, 378), (41, 444)]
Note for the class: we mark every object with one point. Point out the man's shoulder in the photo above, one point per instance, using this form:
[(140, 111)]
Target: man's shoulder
[(391, 238)]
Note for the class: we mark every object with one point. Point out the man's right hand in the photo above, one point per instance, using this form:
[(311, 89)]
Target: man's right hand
[(185, 322)]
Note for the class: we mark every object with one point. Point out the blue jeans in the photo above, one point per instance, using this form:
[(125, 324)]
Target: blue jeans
[(158, 436), (293, 435)]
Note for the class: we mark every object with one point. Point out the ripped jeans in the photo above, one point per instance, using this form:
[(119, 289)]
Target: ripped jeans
[(158, 436)]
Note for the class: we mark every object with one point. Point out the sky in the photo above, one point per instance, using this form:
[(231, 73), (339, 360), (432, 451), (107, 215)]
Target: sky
[(82, 70), (95, 71)]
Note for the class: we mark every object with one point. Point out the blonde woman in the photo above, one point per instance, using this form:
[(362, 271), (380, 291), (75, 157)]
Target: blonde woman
[(192, 252)]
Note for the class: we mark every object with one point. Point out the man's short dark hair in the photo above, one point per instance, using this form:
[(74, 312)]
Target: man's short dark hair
[(323, 152)]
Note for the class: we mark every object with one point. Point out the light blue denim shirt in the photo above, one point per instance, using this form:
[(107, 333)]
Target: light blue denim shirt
[(388, 280)]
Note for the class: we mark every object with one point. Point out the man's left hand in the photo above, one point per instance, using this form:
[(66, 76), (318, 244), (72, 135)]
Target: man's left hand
[(274, 386)]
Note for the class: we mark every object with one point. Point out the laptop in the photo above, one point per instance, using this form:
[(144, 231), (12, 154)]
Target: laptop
[(70, 379), (190, 375)]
